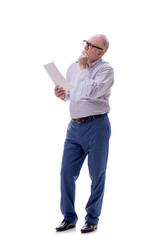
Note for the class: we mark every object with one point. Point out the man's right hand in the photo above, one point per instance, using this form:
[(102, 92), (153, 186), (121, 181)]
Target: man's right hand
[(59, 92)]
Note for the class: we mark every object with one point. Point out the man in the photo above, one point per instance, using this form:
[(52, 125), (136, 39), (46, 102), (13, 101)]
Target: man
[(88, 132)]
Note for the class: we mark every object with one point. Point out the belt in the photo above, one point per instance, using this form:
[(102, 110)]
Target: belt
[(86, 119)]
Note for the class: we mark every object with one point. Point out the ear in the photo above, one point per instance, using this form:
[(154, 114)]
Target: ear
[(101, 53)]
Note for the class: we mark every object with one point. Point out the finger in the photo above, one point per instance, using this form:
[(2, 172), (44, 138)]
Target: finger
[(61, 96), (81, 56), (59, 89), (61, 93), (85, 53), (56, 87)]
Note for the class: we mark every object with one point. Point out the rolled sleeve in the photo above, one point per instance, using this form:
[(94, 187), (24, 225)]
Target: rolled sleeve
[(94, 88)]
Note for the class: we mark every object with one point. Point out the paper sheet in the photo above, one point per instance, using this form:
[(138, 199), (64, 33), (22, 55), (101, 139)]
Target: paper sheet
[(57, 77)]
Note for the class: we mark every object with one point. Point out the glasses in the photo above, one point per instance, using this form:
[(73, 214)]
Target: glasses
[(90, 45)]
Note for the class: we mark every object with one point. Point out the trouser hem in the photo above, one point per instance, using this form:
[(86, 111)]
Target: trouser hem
[(71, 220), (91, 220)]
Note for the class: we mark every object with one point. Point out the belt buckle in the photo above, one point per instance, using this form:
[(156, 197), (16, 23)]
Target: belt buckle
[(78, 120)]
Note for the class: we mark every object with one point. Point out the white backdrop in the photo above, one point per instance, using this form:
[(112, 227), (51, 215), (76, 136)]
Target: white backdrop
[(33, 121)]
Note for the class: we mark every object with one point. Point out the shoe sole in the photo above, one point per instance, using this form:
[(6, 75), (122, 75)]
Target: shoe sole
[(61, 230), (87, 231)]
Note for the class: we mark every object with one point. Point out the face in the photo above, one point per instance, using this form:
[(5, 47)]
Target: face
[(94, 53)]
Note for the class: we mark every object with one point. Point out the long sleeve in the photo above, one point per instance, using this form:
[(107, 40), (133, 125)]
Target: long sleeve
[(67, 96), (97, 87)]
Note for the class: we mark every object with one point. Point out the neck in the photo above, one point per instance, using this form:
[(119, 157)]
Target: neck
[(90, 61)]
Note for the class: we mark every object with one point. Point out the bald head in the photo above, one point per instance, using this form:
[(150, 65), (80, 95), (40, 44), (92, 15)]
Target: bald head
[(104, 41)]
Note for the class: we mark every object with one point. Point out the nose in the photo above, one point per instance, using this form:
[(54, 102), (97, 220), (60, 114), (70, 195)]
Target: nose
[(86, 47)]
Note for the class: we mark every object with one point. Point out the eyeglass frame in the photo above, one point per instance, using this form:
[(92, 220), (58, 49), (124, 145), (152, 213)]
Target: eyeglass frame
[(90, 44)]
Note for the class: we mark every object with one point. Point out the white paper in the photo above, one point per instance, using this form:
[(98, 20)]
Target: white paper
[(57, 77)]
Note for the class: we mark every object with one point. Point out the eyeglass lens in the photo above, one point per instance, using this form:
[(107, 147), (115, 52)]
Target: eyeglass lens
[(85, 43)]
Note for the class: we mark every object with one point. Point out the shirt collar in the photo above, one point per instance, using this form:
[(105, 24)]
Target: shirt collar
[(94, 63)]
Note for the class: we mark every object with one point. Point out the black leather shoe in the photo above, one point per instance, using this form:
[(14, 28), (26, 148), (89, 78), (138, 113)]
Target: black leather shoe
[(65, 225), (88, 227)]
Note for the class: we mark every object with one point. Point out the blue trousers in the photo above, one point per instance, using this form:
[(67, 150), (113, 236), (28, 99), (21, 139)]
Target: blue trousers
[(89, 138)]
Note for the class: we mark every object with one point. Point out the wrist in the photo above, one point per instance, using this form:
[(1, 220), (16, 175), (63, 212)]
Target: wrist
[(82, 67)]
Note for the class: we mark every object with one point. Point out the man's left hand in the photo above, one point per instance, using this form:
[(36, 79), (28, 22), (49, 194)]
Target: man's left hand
[(82, 60)]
